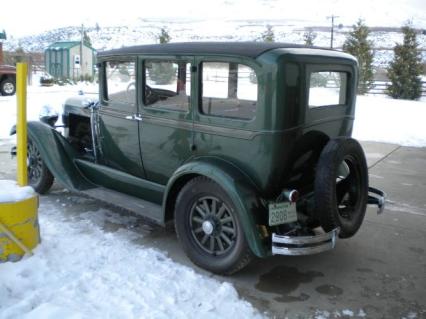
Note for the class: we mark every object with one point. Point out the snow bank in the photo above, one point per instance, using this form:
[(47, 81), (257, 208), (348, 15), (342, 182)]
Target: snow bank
[(81, 271), (383, 119), (10, 191)]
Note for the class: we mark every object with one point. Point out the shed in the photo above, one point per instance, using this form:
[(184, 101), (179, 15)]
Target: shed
[(70, 60)]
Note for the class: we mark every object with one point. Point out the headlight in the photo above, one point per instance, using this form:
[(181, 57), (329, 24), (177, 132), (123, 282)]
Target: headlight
[(48, 115)]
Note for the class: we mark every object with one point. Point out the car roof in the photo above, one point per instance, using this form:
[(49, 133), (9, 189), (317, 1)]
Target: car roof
[(247, 49)]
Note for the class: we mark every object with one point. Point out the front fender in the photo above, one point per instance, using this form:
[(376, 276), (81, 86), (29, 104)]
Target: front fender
[(58, 155), (237, 185)]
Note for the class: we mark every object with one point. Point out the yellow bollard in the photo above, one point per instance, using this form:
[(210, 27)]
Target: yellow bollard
[(21, 124), (19, 229)]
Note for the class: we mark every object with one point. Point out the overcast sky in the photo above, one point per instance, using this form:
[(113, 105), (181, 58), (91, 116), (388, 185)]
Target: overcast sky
[(34, 16)]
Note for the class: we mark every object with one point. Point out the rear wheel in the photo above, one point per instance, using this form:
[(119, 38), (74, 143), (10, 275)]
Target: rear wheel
[(209, 228), (39, 176), (341, 186)]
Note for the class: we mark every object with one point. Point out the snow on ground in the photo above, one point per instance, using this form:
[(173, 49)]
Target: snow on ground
[(81, 271), (382, 119)]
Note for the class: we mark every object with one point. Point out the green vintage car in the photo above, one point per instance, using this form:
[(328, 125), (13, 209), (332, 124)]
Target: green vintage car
[(245, 147)]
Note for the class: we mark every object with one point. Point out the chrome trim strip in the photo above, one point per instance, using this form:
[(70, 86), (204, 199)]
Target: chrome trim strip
[(303, 250), (301, 240)]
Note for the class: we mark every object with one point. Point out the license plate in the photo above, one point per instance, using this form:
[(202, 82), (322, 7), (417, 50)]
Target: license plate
[(282, 213)]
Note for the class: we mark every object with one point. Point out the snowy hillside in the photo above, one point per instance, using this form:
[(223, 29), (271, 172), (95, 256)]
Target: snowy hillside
[(142, 31)]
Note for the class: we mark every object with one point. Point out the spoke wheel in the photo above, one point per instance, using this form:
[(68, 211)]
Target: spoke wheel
[(209, 229), (39, 176), (212, 225)]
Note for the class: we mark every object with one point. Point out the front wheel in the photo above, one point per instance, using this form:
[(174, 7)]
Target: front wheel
[(39, 176), (209, 228)]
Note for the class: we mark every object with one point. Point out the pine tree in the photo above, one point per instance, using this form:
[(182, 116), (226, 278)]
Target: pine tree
[(162, 72), (405, 69), (309, 36), (358, 45), (268, 35), (86, 39), (164, 36)]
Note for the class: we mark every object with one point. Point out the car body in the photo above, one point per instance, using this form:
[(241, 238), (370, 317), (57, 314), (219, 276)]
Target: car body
[(7, 80), (226, 140)]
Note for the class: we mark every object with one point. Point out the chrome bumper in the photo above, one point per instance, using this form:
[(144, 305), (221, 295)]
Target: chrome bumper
[(303, 245), (376, 197)]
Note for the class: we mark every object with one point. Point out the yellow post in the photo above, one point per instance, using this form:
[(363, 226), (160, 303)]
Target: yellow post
[(19, 230), (21, 126)]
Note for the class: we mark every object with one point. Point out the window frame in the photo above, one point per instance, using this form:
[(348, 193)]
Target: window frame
[(117, 105), (165, 58), (327, 68), (245, 62)]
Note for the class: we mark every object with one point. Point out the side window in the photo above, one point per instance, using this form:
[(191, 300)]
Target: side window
[(167, 85), (120, 78), (327, 88), (229, 90)]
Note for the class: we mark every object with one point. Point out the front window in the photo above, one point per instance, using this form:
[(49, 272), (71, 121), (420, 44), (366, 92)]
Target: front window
[(229, 90), (121, 77), (327, 89)]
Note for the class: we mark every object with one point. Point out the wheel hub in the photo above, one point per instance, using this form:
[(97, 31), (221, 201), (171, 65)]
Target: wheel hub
[(207, 227), (8, 88)]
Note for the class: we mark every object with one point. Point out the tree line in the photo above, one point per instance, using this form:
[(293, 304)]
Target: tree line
[(403, 72)]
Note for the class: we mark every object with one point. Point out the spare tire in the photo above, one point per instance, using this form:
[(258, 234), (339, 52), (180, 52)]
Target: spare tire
[(341, 186)]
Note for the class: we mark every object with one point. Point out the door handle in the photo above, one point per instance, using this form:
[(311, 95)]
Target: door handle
[(135, 117)]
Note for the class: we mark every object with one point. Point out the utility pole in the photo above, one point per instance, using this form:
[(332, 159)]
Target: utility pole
[(2, 37), (332, 17), (81, 50)]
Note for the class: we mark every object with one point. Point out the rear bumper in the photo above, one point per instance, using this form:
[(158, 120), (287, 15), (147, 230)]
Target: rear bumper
[(308, 245), (303, 245), (377, 197)]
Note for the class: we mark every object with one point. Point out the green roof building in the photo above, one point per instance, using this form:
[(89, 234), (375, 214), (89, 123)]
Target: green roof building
[(69, 60)]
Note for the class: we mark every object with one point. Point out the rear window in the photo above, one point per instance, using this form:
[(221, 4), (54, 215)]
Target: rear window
[(229, 90), (327, 88)]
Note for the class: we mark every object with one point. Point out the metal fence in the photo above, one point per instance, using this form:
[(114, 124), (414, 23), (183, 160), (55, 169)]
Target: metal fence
[(379, 87)]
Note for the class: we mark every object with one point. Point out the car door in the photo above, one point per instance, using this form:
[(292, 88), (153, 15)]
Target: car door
[(118, 117), (166, 128)]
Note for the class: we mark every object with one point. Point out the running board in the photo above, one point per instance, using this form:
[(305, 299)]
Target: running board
[(138, 206)]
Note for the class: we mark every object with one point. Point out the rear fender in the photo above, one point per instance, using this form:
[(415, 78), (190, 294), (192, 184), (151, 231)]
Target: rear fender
[(236, 184), (58, 155)]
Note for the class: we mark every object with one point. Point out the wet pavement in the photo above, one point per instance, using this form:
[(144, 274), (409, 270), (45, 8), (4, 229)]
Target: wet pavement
[(379, 273)]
